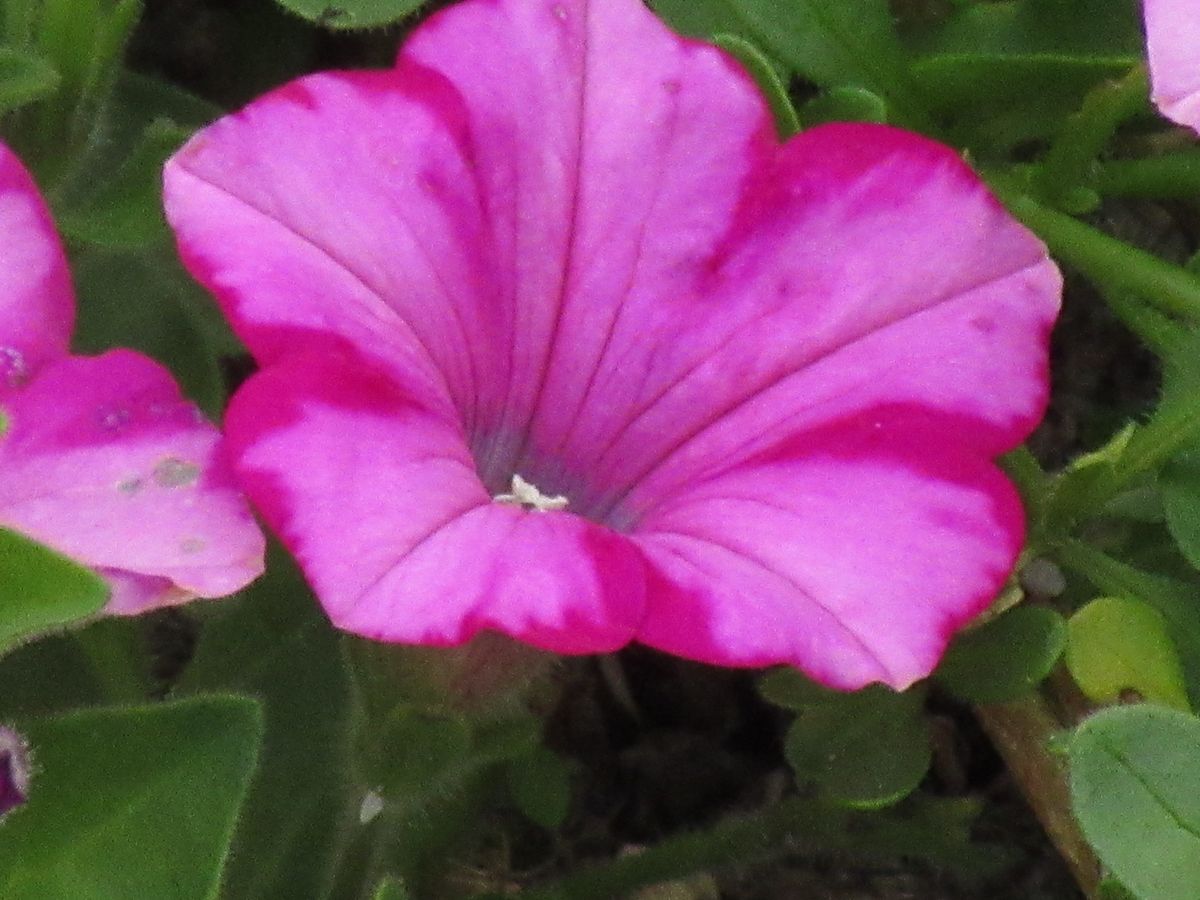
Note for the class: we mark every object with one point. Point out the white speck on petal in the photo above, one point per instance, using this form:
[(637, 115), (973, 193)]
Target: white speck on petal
[(527, 495)]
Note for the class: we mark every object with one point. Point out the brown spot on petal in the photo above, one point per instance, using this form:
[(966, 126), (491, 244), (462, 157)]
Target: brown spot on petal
[(130, 486), (172, 472)]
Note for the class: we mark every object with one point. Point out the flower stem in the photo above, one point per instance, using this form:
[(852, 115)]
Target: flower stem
[(1114, 265), (1156, 330), (1172, 427), (795, 825), (1170, 176), (1068, 163), (1021, 731)]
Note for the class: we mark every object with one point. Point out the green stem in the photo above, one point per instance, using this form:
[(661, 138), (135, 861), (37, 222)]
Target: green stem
[(1068, 163), (1114, 265), (793, 825), (1108, 574), (1159, 332), (1172, 427), (1171, 176), (1024, 469)]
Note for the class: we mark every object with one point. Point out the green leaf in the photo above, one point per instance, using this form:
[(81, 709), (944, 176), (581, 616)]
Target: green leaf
[(126, 210), (1080, 28), (144, 300), (24, 78), (41, 590), (391, 889), (766, 76), (833, 43), (274, 643), (352, 13), (106, 62), (1006, 658), (1011, 71), (846, 104), (67, 33), (131, 801), (866, 750), (1179, 484), (790, 689), (1117, 644), (999, 101), (540, 785), (424, 752), (1178, 601), (1135, 787)]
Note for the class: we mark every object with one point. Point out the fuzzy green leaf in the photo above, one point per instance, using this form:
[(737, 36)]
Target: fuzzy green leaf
[(1135, 787), (41, 590), (131, 801)]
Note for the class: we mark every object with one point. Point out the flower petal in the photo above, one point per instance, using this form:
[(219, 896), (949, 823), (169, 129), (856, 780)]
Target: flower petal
[(611, 154), (490, 204), (1173, 43), (37, 307), (852, 553), (341, 208), (378, 498), (870, 266), (105, 462)]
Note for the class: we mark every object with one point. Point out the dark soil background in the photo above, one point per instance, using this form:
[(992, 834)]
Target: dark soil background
[(663, 745)]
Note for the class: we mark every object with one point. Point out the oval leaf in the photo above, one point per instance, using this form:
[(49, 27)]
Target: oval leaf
[(1116, 644), (540, 785), (1135, 786), (131, 802), (866, 750), (1006, 658)]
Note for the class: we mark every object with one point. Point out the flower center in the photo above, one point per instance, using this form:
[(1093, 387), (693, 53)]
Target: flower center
[(526, 495)]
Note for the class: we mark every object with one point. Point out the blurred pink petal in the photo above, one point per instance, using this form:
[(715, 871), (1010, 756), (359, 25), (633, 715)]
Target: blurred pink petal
[(101, 458), (1173, 44), (37, 307), (560, 243)]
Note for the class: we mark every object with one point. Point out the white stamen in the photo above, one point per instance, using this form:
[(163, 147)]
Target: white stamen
[(527, 495)]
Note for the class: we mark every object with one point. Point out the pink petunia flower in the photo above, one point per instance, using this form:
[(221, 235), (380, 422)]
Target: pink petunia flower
[(100, 457), (557, 340), (1173, 45)]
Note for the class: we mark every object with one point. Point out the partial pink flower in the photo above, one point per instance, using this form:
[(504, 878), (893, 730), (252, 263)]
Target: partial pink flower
[(14, 771), (100, 457), (558, 341), (1173, 45)]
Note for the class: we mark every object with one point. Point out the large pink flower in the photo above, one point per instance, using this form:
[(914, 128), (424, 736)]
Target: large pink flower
[(752, 392), (100, 458), (1173, 43)]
